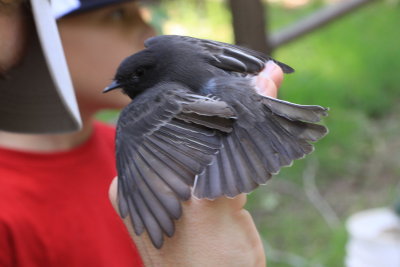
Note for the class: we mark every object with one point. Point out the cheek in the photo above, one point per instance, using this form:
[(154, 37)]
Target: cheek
[(93, 57), (94, 53)]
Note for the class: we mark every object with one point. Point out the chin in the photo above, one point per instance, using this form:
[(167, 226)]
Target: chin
[(102, 102), (117, 101)]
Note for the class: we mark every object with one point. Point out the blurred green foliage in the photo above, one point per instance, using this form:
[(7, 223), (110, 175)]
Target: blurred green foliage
[(351, 66)]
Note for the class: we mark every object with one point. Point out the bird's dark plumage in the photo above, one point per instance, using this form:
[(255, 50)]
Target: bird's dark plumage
[(196, 126)]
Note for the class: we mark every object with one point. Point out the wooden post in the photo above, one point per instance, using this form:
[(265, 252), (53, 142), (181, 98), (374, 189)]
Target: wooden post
[(315, 21), (249, 24)]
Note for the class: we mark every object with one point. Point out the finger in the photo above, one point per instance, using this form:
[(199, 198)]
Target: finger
[(148, 253), (112, 193), (269, 80), (206, 228), (220, 204), (193, 205), (274, 72)]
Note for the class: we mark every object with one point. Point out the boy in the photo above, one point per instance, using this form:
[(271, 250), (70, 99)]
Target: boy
[(54, 209)]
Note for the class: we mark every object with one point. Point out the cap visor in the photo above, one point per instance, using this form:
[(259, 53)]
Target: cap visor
[(38, 96)]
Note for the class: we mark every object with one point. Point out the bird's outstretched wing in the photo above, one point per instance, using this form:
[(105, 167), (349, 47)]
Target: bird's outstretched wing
[(170, 139), (225, 56), (268, 134), (163, 141)]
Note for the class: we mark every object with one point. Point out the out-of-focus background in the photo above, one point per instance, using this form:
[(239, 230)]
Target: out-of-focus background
[(352, 66)]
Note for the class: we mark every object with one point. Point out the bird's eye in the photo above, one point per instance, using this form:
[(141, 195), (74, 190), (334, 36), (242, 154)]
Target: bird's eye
[(139, 72)]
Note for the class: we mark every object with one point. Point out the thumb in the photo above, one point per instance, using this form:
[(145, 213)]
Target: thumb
[(269, 79), (112, 194)]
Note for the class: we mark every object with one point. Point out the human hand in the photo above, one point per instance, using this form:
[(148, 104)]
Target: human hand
[(210, 233)]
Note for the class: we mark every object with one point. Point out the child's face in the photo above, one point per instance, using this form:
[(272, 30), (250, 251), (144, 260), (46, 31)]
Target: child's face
[(95, 43)]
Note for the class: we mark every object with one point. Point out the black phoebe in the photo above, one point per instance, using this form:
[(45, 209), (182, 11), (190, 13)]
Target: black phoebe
[(196, 126)]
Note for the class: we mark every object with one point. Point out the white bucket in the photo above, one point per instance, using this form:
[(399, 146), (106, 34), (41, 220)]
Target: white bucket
[(374, 239)]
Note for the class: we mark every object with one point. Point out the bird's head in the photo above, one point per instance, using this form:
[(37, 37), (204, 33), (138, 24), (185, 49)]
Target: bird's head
[(135, 74)]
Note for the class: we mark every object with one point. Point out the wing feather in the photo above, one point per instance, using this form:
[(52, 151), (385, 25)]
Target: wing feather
[(221, 144), (164, 180), (177, 167), (267, 135), (151, 195), (159, 154), (295, 112), (228, 57)]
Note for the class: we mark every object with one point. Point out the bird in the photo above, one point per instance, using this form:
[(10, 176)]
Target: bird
[(196, 127)]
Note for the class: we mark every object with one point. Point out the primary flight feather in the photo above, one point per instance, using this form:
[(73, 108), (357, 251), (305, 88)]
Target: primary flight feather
[(196, 126)]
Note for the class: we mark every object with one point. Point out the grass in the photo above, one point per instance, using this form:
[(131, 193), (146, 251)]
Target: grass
[(350, 66)]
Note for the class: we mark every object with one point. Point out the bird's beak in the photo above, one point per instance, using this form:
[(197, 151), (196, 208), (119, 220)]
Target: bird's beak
[(112, 86)]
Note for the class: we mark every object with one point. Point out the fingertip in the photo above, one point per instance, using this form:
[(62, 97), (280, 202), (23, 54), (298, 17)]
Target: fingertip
[(277, 76), (273, 72), (266, 86), (271, 90), (269, 79)]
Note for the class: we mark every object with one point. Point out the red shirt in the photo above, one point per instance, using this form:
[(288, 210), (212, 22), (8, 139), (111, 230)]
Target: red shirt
[(54, 208)]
